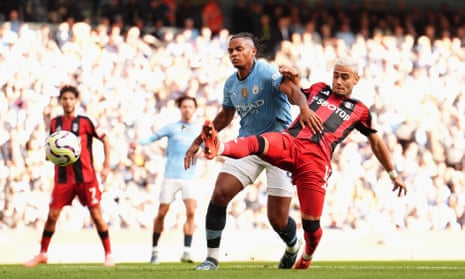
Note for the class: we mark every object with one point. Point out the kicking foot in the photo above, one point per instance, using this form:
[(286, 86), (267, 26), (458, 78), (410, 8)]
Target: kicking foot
[(210, 140)]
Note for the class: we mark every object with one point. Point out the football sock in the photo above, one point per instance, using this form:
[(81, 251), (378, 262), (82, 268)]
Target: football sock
[(215, 222), (241, 147), (288, 234), (155, 238), (187, 240), (312, 235), (213, 253), (45, 241), (105, 238)]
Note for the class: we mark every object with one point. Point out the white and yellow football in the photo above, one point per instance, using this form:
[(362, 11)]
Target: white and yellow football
[(63, 148)]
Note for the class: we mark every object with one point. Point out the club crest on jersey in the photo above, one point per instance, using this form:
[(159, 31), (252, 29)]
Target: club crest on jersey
[(245, 93), (325, 92), (349, 105), (255, 89)]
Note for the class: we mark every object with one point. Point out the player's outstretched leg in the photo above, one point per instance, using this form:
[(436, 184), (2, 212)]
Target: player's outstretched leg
[(210, 140)]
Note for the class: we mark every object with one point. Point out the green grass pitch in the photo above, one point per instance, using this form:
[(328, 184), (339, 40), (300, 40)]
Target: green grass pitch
[(246, 270)]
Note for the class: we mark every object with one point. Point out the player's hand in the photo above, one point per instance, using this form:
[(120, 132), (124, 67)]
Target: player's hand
[(290, 74), (191, 155), (399, 186), (104, 172), (309, 118)]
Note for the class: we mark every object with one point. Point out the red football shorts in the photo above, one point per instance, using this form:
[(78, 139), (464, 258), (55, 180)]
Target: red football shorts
[(305, 160), (89, 194)]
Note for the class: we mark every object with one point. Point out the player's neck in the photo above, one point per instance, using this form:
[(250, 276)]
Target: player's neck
[(243, 73), (69, 115)]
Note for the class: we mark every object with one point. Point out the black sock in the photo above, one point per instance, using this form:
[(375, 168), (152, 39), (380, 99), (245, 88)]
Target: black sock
[(155, 237), (215, 222), (289, 235)]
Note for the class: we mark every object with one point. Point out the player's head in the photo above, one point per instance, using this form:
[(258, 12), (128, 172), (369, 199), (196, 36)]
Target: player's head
[(242, 49), (69, 89), (345, 75), (187, 105), (68, 98)]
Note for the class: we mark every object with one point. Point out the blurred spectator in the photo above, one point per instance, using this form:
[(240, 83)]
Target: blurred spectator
[(240, 10), (212, 16), (14, 21)]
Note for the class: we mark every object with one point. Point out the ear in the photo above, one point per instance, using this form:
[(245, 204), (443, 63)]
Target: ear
[(254, 51)]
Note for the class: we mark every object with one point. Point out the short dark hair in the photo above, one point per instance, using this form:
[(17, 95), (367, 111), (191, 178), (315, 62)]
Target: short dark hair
[(258, 42), (69, 88), (183, 98)]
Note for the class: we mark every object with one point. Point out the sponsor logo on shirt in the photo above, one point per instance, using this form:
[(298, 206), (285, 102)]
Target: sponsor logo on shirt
[(339, 112)]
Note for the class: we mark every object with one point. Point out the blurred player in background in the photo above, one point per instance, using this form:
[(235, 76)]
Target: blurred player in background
[(180, 134), (261, 96), (78, 179), (307, 153)]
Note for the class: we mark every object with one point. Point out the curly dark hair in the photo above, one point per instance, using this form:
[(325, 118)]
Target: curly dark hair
[(69, 88)]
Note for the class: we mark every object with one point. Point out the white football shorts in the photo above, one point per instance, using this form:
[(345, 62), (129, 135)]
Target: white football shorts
[(247, 170), (169, 187)]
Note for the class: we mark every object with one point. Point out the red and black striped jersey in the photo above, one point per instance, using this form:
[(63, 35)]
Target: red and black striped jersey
[(340, 116), (83, 170)]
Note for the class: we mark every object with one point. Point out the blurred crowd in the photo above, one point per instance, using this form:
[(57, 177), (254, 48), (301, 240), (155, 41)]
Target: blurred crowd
[(413, 80)]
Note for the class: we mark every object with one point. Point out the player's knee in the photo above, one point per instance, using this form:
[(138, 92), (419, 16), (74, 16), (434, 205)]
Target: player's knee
[(53, 215), (310, 225)]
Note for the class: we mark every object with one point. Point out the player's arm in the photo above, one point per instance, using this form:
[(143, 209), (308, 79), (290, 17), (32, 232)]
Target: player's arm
[(106, 160), (382, 154), (221, 120), (290, 85)]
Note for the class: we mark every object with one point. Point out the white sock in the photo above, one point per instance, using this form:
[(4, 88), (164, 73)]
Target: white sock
[(294, 248), (306, 257), (213, 252)]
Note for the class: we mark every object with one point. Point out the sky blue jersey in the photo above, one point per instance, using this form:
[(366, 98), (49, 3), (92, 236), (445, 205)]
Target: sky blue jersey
[(258, 101), (180, 136)]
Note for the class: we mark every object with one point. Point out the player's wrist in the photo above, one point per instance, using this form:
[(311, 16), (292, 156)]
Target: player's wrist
[(198, 140), (393, 174)]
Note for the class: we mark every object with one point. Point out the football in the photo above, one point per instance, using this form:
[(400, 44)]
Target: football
[(63, 148)]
